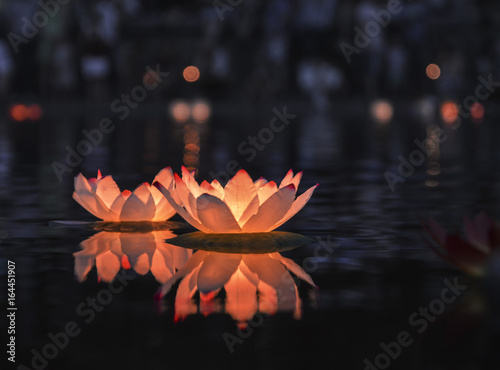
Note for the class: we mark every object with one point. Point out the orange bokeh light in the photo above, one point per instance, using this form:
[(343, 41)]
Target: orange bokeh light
[(477, 112), (192, 148), (191, 74), (381, 111), (21, 112), (34, 112), (433, 71), (191, 159), (18, 112), (180, 111), (201, 111), (449, 112), (150, 78)]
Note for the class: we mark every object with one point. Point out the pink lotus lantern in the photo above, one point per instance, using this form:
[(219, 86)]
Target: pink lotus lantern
[(242, 206), (143, 252), (102, 197), (252, 283), (482, 238)]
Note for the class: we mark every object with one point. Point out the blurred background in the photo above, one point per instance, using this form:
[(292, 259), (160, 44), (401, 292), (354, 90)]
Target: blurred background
[(64, 66), (344, 90), (247, 50)]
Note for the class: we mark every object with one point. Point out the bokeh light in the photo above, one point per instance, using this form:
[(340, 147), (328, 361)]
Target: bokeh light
[(426, 109), (449, 112), (433, 168), (191, 147), (381, 111), (180, 111), (150, 78), (191, 74), (21, 112), (34, 112), (477, 112), (191, 134), (431, 183), (18, 112), (433, 71), (200, 111)]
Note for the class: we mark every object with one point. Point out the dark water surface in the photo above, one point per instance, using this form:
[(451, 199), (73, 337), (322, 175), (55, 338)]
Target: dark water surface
[(370, 261)]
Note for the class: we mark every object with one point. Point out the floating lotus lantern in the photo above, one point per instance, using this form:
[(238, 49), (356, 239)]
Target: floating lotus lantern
[(252, 283), (102, 197), (482, 238), (241, 206), (143, 252)]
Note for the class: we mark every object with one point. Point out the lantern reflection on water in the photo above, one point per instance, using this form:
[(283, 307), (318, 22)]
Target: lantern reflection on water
[(144, 252), (237, 283), (251, 283)]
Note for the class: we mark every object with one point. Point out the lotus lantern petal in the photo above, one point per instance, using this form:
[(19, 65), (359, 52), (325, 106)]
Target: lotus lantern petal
[(243, 205), (102, 197)]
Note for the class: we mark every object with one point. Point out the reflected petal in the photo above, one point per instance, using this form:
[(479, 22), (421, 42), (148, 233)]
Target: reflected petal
[(142, 251), (108, 264), (268, 269), (135, 245), (268, 299), (83, 265), (160, 268), (141, 265), (216, 270), (293, 267), (241, 297), (184, 306), (194, 261)]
